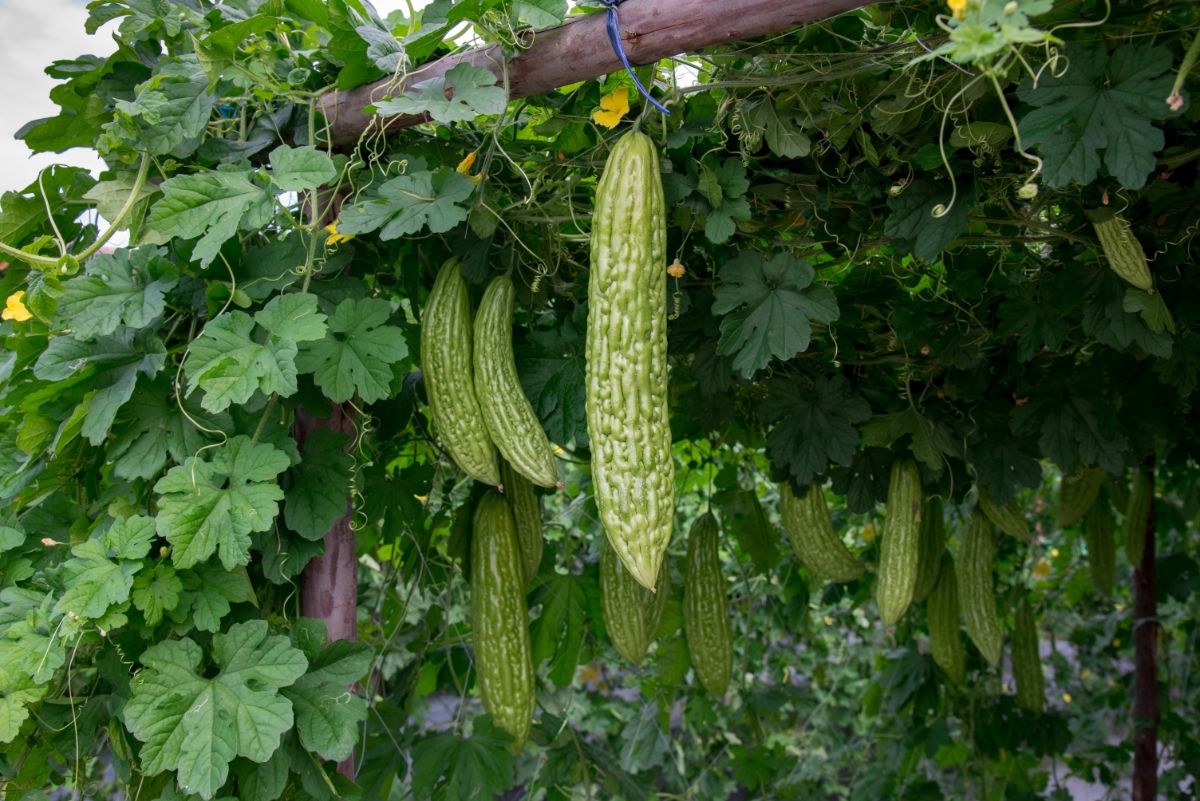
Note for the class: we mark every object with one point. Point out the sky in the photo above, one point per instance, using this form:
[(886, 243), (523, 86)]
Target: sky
[(34, 33)]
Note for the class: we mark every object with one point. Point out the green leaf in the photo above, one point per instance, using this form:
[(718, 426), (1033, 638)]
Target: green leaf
[(540, 13), (154, 429), (265, 781), (124, 288), (130, 537), (94, 582), (169, 113), (115, 363), (466, 92), (231, 360), (1101, 102), (208, 593), (552, 374), (320, 485), (931, 442), (783, 133), (557, 634), (768, 309), (210, 505), (16, 694), (357, 353), (409, 203), (295, 169), (912, 225), (111, 196), (197, 725), (744, 516), (210, 207), (476, 769), (1072, 429), (813, 427), (156, 592), (328, 711)]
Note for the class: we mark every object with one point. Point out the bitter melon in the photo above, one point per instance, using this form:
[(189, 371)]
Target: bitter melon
[(945, 638), (1079, 491), (706, 623), (1123, 252), (527, 512), (901, 546), (626, 359), (1007, 518), (446, 343), (632, 613), (933, 545), (1137, 515), (810, 528), (1027, 662), (500, 619), (975, 557), (1101, 548), (509, 416)]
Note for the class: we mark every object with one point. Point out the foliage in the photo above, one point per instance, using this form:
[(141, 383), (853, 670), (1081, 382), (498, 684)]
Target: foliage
[(886, 221)]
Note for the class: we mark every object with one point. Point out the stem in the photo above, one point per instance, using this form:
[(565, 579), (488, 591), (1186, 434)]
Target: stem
[(123, 214), (1189, 61)]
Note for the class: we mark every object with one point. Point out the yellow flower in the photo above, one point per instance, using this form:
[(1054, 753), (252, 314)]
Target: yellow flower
[(958, 7), (464, 168), (1067, 698), (1054, 552), (676, 270), (828, 620), (869, 532), (334, 237), (1116, 642), (14, 308), (613, 106)]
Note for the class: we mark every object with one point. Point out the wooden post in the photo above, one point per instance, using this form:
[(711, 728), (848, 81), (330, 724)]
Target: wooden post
[(1145, 646), (580, 49), (329, 582)]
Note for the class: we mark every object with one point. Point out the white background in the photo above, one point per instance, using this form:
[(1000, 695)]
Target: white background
[(34, 33)]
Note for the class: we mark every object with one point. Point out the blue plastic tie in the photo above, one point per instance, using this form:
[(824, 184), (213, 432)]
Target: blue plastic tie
[(614, 36)]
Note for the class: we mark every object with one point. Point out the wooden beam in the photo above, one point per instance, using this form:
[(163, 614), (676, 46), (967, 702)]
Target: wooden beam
[(579, 50)]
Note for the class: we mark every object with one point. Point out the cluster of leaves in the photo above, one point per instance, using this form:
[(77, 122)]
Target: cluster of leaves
[(866, 279)]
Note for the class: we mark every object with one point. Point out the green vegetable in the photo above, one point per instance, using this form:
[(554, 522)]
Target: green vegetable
[(626, 374), (1008, 518), (706, 621), (975, 556), (446, 342), (527, 512), (1137, 515), (1027, 662), (901, 544), (933, 545), (500, 619), (632, 613), (945, 638), (810, 528), (509, 416), (1101, 548)]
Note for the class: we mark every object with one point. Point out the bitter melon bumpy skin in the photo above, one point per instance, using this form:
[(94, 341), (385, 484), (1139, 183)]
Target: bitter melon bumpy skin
[(500, 619), (706, 622), (901, 546), (810, 529), (449, 384), (509, 416), (632, 613), (975, 557), (626, 375)]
